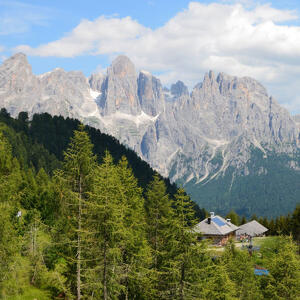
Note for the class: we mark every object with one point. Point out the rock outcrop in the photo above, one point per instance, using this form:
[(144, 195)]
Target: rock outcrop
[(120, 89)]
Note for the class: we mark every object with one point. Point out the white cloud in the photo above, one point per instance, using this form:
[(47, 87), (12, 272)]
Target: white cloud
[(104, 36), (239, 39)]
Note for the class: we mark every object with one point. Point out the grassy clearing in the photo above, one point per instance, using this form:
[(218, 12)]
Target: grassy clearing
[(31, 294), (257, 241)]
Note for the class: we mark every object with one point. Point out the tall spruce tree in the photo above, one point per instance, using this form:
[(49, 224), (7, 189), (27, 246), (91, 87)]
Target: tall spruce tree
[(182, 271), (10, 174), (107, 209), (136, 252), (161, 232), (9, 253), (74, 182)]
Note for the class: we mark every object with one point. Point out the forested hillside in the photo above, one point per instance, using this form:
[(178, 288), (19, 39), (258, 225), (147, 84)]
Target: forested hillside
[(270, 189), (83, 228), (52, 136)]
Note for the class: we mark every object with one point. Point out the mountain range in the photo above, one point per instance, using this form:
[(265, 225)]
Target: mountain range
[(229, 143)]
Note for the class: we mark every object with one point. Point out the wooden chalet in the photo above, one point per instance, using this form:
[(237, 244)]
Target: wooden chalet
[(216, 228)]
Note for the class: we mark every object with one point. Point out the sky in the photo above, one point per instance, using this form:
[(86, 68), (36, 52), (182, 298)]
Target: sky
[(175, 40)]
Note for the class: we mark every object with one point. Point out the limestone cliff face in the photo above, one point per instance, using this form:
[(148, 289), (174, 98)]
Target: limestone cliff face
[(224, 118), (193, 136), (96, 81), (17, 84), (296, 118), (56, 92), (120, 89), (150, 94)]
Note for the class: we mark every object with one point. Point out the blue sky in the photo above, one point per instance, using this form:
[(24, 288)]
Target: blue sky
[(172, 39)]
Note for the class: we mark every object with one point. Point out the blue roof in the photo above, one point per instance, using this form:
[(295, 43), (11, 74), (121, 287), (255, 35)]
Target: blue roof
[(218, 221), (261, 272)]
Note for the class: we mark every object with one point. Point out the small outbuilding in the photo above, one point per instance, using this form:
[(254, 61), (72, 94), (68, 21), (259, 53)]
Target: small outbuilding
[(251, 229), (216, 228)]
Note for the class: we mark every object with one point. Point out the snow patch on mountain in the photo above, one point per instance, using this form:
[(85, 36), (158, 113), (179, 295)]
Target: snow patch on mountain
[(138, 120), (94, 94)]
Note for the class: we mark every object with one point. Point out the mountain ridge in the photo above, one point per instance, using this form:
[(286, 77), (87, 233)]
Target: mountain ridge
[(192, 136)]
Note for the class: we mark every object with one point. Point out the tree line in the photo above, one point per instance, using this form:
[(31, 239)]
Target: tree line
[(281, 225)]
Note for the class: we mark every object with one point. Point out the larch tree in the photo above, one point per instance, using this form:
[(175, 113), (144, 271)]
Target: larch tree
[(107, 210), (182, 269), (74, 182), (136, 251), (10, 174), (160, 230)]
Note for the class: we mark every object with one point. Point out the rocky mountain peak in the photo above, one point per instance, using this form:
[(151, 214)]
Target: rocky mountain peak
[(210, 84), (17, 81), (96, 80), (150, 93), (19, 57), (17, 63), (179, 89), (211, 75), (122, 66), (120, 88)]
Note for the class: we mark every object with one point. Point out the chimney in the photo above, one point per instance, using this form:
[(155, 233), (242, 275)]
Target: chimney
[(228, 220), (209, 220)]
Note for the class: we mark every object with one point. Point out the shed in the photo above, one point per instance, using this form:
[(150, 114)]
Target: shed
[(252, 229)]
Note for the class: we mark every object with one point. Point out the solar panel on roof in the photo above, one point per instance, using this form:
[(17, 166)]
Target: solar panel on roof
[(218, 221)]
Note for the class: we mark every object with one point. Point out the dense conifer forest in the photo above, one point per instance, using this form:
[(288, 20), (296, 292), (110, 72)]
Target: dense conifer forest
[(82, 217)]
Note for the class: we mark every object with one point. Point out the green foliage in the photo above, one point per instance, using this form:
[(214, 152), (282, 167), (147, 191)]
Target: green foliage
[(108, 213), (281, 259), (74, 184), (136, 256), (10, 173), (219, 285), (92, 231), (31, 293), (160, 231), (239, 267), (244, 221), (295, 223), (9, 250), (183, 271), (234, 217)]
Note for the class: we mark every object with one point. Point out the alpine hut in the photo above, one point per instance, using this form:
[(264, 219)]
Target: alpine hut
[(251, 229), (216, 228)]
